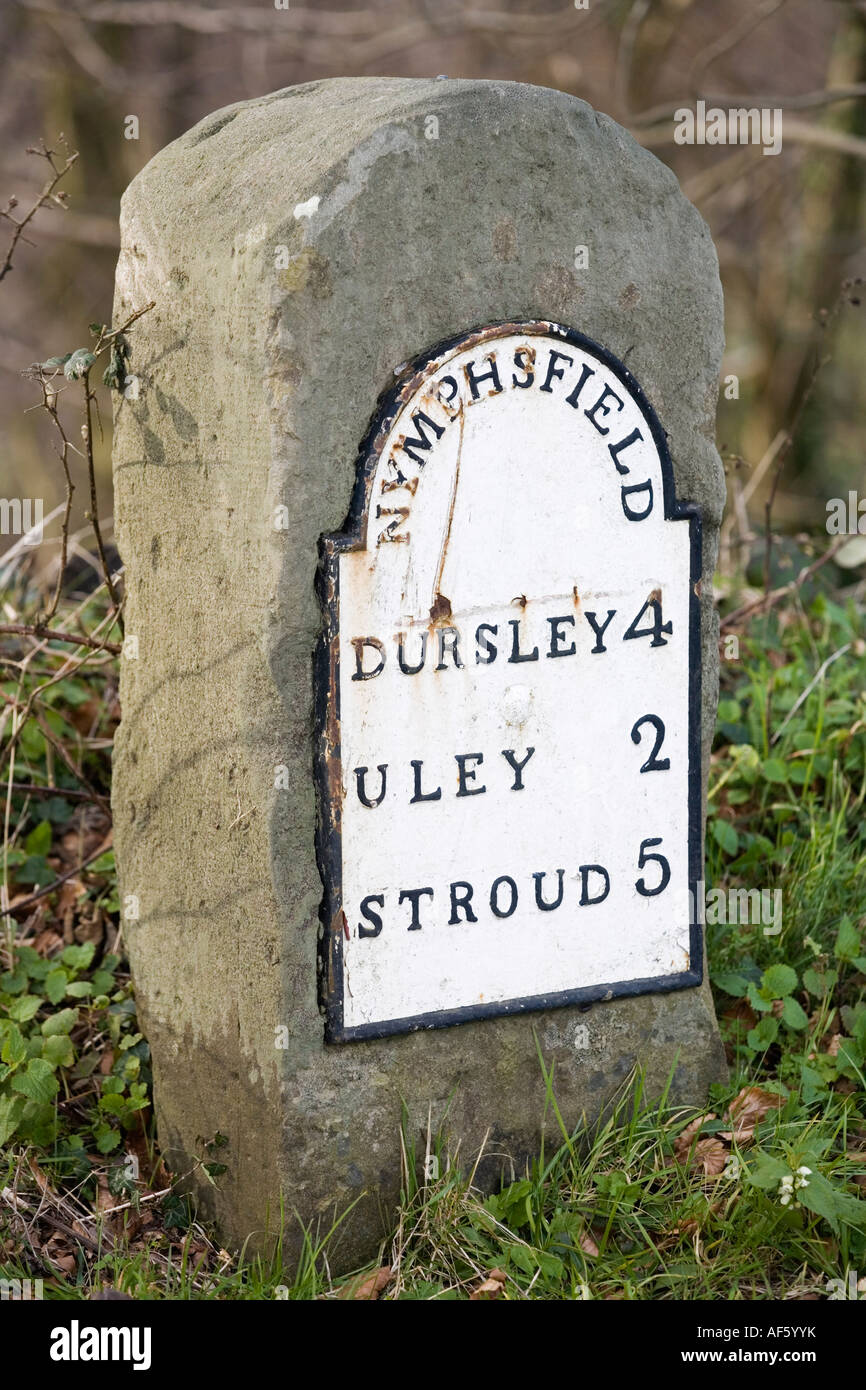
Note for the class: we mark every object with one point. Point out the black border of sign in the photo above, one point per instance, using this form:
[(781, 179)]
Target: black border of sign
[(328, 771)]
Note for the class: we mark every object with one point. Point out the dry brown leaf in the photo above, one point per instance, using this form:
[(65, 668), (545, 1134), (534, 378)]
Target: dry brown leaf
[(832, 1047), (711, 1155), (588, 1245), (61, 1258), (742, 1013), (683, 1142), (41, 1180), (490, 1287), (47, 941), (67, 900), (369, 1288), (708, 1153), (747, 1110), (104, 1197)]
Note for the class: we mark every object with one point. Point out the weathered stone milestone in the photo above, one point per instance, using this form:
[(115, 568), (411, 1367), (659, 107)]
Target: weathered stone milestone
[(419, 511)]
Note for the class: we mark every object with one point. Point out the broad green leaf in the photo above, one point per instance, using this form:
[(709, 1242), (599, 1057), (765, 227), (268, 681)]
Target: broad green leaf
[(58, 1051), (731, 983), (23, 1008), (78, 957), (38, 842), (778, 981), (107, 1138), (79, 989), (774, 770), (793, 1014), (766, 1171), (14, 1049), (725, 835), (38, 1082), (820, 1198), (62, 1022), (78, 364), (55, 984), (763, 1034), (847, 940), (11, 1109)]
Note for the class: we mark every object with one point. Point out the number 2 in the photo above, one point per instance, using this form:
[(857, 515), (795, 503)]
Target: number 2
[(652, 764)]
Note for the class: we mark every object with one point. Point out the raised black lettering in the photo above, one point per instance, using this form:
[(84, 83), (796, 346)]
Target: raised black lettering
[(468, 774), (630, 513), (585, 870), (413, 895), (554, 372), (517, 766), (616, 449), (448, 639), (557, 637), (451, 410), (417, 764), (643, 859), (516, 654), (599, 631), (519, 354), (485, 653), (461, 900), (658, 627), (574, 394), (370, 916), (359, 643), (494, 896), (401, 655), (361, 780), (410, 446), (606, 394), (491, 374), (539, 900)]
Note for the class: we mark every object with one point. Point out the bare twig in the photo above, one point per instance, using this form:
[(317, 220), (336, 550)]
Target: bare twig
[(58, 882), (68, 793), (55, 635), (768, 601), (48, 196), (825, 319)]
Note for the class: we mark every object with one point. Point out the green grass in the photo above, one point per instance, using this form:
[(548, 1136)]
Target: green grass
[(628, 1210)]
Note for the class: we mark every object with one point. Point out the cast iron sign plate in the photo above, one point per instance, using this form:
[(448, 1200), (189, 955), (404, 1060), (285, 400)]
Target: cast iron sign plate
[(508, 696)]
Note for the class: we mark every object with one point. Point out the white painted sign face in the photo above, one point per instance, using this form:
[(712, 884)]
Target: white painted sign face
[(508, 690)]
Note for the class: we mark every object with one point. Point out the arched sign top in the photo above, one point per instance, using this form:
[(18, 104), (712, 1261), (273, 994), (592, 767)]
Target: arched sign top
[(508, 694)]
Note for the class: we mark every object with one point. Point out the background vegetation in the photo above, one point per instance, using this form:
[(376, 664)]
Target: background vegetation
[(760, 1197)]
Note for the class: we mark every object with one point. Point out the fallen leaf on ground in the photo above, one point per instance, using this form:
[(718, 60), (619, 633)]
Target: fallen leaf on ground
[(747, 1110), (490, 1287), (588, 1245), (709, 1153), (369, 1288)]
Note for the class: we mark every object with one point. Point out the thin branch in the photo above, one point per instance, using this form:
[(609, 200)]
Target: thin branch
[(768, 601), (825, 320), (824, 96), (72, 766), (57, 882), (56, 635), (68, 793), (47, 196)]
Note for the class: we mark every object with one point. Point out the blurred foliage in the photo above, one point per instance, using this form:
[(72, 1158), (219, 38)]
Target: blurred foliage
[(789, 229)]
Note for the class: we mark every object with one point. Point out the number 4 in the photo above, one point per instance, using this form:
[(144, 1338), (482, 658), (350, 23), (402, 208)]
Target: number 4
[(658, 627)]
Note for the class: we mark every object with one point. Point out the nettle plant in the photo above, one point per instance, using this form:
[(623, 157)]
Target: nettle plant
[(56, 1016)]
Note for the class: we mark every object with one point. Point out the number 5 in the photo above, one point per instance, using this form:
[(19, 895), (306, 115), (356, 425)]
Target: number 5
[(643, 859)]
